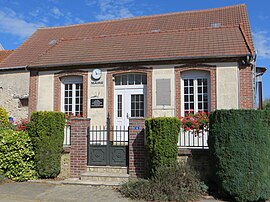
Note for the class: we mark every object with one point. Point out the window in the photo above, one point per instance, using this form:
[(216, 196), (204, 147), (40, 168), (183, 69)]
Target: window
[(195, 92), (130, 79), (72, 95)]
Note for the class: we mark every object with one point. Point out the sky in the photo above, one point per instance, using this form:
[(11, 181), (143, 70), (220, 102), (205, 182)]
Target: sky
[(20, 18)]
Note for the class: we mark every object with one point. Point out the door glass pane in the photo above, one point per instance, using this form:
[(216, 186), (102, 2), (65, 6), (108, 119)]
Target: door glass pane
[(137, 105), (119, 105)]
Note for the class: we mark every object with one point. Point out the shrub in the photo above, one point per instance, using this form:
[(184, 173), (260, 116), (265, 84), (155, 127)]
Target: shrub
[(239, 143), (176, 182), (46, 130), (16, 155), (3, 116), (161, 137)]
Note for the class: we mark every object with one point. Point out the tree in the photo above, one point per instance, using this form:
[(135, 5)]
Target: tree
[(266, 103)]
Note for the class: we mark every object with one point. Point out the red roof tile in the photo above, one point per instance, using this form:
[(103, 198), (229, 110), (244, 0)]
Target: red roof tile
[(135, 32), (4, 54), (204, 42)]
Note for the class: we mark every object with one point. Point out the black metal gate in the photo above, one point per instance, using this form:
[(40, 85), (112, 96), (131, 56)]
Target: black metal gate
[(107, 145)]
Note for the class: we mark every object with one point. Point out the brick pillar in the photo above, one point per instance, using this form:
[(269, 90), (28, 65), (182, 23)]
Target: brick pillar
[(137, 152), (78, 148)]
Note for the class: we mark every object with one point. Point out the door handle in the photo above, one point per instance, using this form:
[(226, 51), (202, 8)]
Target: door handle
[(127, 115)]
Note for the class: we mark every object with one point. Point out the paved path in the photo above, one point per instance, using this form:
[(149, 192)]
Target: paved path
[(44, 192), (41, 192)]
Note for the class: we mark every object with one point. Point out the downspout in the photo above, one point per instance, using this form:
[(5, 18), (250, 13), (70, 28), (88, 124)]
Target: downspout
[(252, 63)]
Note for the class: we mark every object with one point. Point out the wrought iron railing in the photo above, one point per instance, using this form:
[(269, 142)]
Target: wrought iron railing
[(101, 135), (193, 139)]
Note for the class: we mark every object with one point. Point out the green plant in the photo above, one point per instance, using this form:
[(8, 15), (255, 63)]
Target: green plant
[(3, 116), (266, 104), (16, 155), (46, 130), (177, 182), (239, 143), (195, 122), (161, 136)]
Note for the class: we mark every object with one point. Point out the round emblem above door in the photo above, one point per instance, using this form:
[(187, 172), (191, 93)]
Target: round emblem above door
[(96, 74)]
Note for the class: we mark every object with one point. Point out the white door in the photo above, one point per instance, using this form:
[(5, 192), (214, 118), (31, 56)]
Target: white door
[(129, 102)]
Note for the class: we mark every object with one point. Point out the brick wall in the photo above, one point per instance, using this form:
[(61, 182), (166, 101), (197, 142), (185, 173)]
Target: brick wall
[(246, 93), (195, 67), (78, 149), (57, 88), (137, 152), (33, 93)]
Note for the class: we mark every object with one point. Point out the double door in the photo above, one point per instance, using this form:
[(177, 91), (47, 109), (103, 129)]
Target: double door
[(128, 103)]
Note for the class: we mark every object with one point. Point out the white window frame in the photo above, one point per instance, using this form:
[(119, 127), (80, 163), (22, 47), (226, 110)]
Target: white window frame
[(70, 80), (195, 75)]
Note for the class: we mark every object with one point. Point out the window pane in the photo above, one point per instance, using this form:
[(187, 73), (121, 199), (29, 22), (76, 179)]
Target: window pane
[(186, 90), (138, 79), (118, 80), (131, 79), (191, 90), (124, 80), (186, 98), (205, 89), (144, 79)]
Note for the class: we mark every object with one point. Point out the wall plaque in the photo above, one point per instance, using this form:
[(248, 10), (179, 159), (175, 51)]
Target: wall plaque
[(97, 103)]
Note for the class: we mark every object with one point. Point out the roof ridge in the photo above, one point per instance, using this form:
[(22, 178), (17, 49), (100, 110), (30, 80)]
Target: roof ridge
[(149, 16), (149, 32)]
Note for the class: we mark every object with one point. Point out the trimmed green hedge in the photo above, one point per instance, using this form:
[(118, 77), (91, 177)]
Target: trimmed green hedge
[(239, 144), (161, 136), (16, 155), (46, 130)]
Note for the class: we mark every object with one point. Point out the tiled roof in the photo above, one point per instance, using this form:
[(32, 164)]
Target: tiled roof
[(4, 54), (203, 42), (132, 39)]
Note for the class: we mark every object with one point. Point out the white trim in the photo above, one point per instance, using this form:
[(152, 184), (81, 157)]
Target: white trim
[(195, 75), (70, 80)]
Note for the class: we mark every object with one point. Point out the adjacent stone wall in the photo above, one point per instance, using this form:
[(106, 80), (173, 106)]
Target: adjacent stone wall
[(137, 151), (198, 159), (78, 149), (13, 86)]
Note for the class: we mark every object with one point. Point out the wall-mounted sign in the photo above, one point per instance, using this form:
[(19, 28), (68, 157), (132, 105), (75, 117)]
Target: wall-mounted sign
[(136, 128), (97, 83), (97, 103)]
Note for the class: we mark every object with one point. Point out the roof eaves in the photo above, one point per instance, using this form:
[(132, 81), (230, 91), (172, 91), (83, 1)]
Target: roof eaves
[(14, 68), (246, 39), (135, 61)]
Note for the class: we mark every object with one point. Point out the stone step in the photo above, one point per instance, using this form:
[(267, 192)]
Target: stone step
[(116, 178), (107, 169)]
